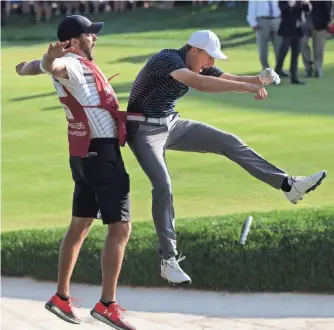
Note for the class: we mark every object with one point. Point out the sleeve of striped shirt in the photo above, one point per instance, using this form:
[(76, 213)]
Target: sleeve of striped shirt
[(165, 64), (74, 71), (212, 71)]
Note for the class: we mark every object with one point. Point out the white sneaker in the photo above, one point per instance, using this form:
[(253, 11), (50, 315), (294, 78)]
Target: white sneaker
[(301, 185), (172, 272)]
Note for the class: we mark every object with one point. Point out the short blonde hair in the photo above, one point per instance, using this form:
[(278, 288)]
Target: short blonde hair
[(188, 47)]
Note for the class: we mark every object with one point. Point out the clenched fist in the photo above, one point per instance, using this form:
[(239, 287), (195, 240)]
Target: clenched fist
[(19, 68)]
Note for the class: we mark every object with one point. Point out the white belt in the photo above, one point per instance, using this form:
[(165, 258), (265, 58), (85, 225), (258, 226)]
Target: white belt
[(159, 121)]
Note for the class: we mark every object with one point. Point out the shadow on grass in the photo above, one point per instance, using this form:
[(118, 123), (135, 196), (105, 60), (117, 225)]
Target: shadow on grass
[(55, 107), (32, 96), (134, 59)]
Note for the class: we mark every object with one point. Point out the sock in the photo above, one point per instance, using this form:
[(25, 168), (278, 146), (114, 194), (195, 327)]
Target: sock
[(62, 297), (285, 185), (106, 303)]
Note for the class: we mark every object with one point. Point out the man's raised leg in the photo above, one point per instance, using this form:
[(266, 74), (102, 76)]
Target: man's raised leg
[(188, 135)]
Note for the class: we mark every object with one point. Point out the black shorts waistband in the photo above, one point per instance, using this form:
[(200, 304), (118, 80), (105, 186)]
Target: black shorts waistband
[(102, 141), (104, 145)]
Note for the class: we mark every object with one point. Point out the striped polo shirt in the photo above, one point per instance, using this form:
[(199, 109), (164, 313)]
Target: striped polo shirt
[(155, 92), (82, 86)]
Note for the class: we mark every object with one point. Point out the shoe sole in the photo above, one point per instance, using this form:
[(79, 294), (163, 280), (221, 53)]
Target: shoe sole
[(58, 312), (184, 283), (103, 319), (318, 183)]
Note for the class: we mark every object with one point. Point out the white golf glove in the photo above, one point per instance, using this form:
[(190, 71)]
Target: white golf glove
[(268, 76)]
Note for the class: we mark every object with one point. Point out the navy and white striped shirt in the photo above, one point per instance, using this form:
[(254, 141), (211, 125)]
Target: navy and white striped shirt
[(155, 92)]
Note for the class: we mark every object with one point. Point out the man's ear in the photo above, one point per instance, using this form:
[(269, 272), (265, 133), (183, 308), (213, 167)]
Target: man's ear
[(73, 42)]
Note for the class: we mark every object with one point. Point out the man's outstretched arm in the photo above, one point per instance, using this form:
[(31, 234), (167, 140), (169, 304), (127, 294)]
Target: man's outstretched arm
[(217, 85), (246, 79), (266, 77), (50, 63)]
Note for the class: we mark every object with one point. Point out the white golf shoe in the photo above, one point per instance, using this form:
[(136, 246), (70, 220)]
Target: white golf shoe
[(172, 272), (301, 185)]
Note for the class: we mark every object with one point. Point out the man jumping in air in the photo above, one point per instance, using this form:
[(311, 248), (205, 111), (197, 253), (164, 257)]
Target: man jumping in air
[(165, 78)]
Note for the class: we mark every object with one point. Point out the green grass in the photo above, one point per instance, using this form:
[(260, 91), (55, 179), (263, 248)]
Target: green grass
[(293, 128)]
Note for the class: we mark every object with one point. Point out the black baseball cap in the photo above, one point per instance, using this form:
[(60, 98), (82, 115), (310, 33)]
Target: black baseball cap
[(74, 25)]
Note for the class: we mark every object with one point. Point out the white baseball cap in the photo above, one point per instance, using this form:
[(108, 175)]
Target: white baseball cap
[(207, 41)]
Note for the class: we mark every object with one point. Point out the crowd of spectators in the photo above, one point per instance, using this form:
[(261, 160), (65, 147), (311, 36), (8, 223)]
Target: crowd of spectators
[(43, 11)]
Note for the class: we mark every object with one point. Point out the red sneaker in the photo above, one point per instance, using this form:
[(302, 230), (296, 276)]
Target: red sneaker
[(63, 309), (111, 316)]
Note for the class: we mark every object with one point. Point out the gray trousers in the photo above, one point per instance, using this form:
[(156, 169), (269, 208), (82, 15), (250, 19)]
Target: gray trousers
[(318, 45), (149, 144), (268, 29)]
